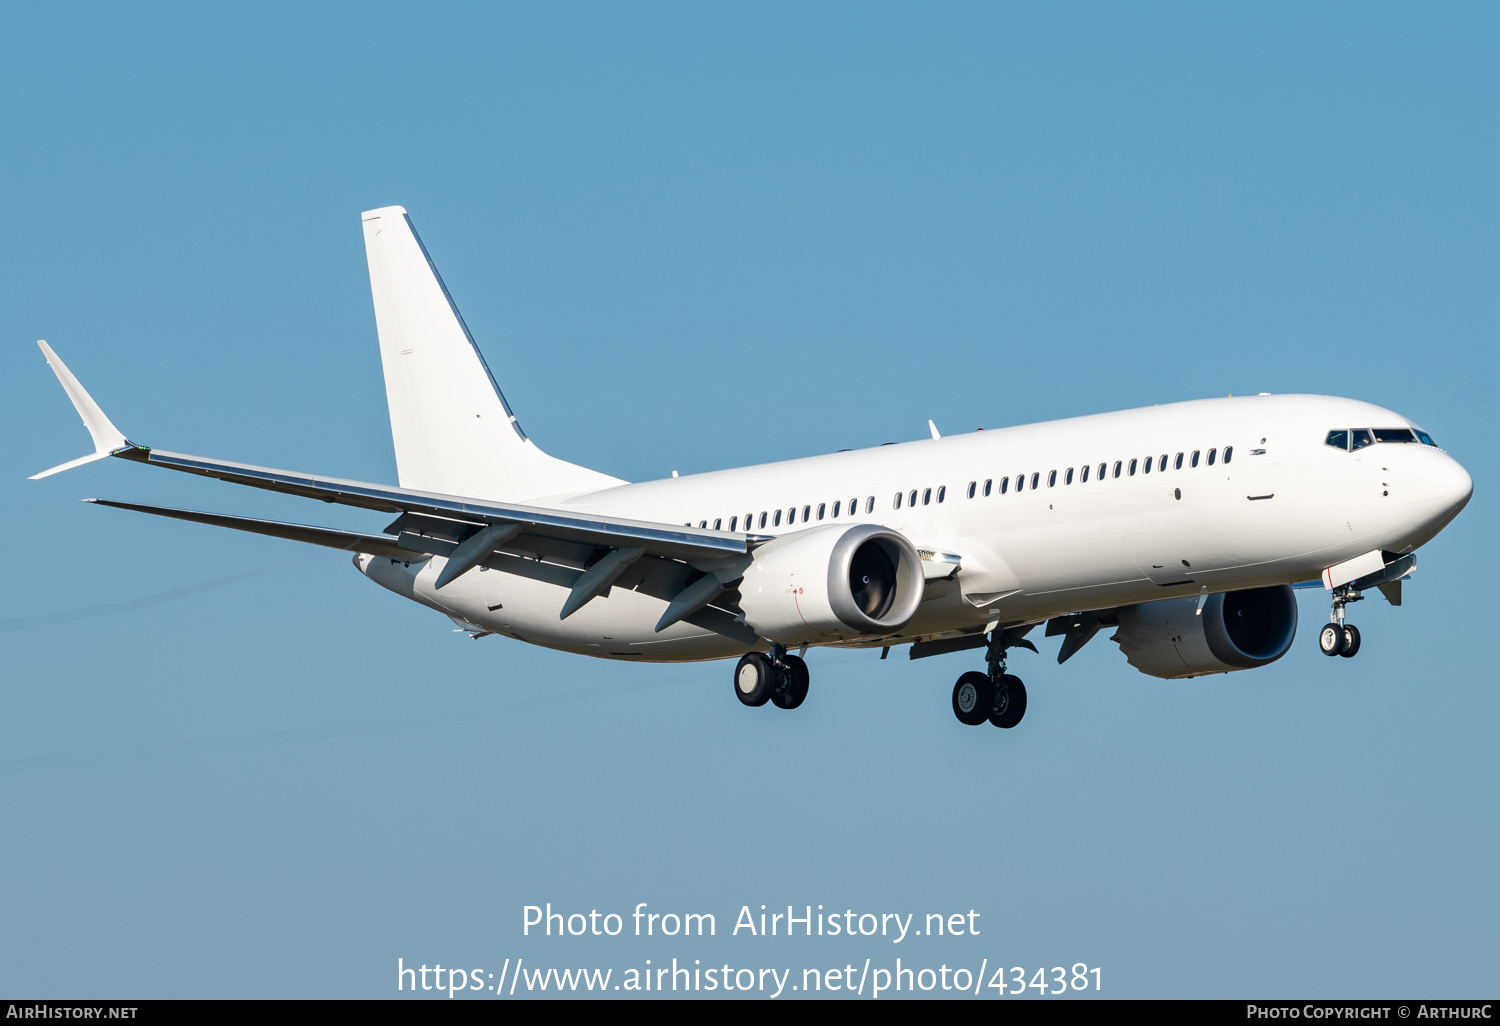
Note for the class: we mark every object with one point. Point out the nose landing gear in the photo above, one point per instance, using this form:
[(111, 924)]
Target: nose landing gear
[(1338, 638), (996, 696)]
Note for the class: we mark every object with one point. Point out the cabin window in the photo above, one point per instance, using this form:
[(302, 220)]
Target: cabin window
[(703, 523), (1195, 457), (927, 497), (763, 518), (836, 507), (791, 515), (1228, 453), (734, 523), (1146, 468), (973, 486), (1035, 479), (942, 492), (1051, 479), (1213, 454), (1132, 467), (1118, 465), (822, 508), (1020, 482), (1162, 463), (897, 503), (870, 504), (1069, 479), (911, 500), (718, 525), (777, 521), (807, 514), (1101, 471), (1083, 475), (1004, 485), (988, 482)]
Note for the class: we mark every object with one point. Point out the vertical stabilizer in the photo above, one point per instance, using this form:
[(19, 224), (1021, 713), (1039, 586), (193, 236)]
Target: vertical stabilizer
[(453, 430)]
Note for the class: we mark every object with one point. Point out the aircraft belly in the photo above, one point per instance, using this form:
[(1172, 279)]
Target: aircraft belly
[(618, 624)]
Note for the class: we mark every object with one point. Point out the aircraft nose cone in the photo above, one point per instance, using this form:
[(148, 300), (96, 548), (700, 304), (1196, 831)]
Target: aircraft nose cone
[(1461, 488), (1439, 490)]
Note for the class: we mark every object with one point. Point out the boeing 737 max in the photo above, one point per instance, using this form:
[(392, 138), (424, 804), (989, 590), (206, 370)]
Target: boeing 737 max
[(1183, 527)]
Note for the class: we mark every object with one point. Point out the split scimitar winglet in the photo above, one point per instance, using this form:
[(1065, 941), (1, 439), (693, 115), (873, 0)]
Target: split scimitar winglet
[(107, 438)]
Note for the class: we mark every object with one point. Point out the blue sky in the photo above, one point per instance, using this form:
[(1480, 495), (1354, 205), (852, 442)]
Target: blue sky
[(686, 238)]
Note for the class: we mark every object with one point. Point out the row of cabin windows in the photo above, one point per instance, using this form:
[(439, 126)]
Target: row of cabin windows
[(926, 496), (773, 518), (1121, 468)]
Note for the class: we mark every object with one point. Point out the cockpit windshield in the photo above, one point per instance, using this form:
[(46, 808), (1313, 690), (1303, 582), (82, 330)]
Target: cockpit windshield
[(1353, 439)]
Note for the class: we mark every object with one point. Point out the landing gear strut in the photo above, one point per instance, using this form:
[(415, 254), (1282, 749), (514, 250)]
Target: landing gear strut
[(1338, 638), (995, 695), (779, 678)]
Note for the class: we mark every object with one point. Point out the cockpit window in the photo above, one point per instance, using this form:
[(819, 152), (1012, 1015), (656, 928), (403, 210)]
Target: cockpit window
[(1358, 438)]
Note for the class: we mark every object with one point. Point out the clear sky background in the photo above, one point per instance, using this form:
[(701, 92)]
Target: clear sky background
[(692, 237)]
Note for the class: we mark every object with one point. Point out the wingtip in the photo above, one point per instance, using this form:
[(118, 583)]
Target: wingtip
[(107, 438), (80, 461)]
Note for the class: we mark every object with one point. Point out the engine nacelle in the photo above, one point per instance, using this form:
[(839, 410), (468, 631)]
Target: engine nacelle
[(832, 583), (1238, 630)]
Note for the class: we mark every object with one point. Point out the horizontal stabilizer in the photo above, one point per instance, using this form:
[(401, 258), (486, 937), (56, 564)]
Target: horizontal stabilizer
[(349, 541)]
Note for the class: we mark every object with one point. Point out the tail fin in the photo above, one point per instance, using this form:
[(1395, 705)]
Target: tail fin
[(454, 431)]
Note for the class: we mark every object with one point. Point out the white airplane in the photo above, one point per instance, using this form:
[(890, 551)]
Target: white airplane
[(1185, 527)]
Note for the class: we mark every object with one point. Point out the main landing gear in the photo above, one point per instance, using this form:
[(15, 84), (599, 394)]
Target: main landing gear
[(778, 678), (995, 695), (1339, 638)]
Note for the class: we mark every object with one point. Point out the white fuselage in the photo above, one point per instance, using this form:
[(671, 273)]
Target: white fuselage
[(1284, 506)]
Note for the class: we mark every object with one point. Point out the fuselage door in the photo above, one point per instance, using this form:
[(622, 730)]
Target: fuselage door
[(1263, 469)]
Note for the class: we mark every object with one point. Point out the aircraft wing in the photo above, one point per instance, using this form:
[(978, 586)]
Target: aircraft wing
[(460, 527), (666, 540), (687, 567)]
